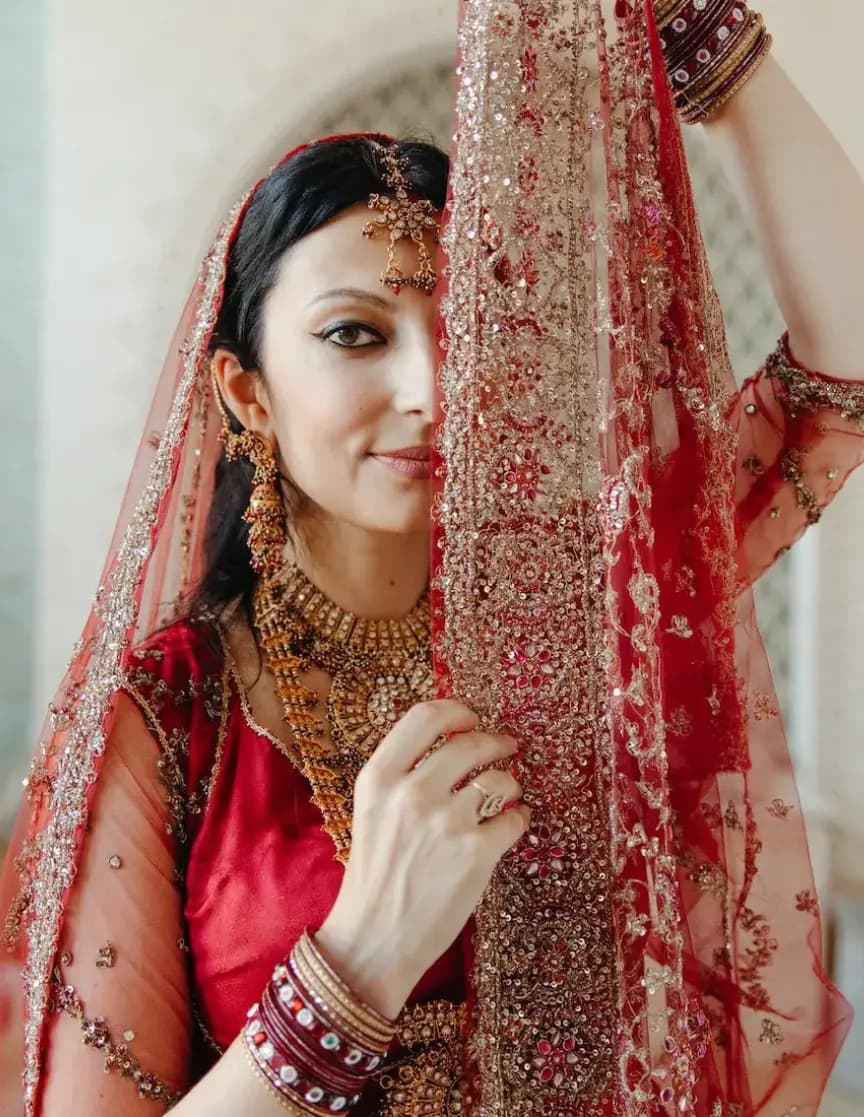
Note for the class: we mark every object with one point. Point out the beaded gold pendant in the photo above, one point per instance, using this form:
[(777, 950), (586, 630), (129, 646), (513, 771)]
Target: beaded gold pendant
[(379, 669)]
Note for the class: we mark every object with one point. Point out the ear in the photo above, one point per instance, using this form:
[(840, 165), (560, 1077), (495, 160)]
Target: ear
[(244, 393)]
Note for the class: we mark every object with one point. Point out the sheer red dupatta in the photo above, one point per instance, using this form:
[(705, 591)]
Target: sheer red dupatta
[(156, 557), (654, 947)]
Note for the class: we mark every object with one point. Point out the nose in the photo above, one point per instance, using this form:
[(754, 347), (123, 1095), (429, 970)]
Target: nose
[(414, 388)]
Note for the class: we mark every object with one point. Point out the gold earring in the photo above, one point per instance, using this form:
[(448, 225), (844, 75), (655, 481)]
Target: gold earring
[(265, 515)]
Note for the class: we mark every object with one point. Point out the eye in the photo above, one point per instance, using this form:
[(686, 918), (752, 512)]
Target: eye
[(348, 335)]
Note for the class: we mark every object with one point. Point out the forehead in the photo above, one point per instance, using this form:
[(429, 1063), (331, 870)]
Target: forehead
[(338, 255)]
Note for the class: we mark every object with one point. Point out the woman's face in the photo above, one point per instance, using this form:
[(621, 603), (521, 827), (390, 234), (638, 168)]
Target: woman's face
[(348, 374)]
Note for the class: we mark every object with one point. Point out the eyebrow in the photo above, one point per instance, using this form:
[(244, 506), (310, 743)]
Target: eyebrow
[(351, 293)]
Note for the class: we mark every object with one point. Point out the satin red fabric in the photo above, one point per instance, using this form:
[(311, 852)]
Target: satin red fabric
[(258, 866)]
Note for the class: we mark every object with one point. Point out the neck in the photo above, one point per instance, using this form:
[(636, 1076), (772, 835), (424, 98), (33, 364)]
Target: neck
[(370, 574)]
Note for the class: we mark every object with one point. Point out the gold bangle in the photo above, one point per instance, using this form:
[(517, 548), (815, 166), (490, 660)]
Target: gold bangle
[(699, 94), (314, 951), (373, 1027), (758, 58), (703, 101), (332, 1011), (366, 1033)]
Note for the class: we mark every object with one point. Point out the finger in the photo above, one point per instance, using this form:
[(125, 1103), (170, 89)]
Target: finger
[(470, 799), (504, 831), (462, 754), (417, 731)]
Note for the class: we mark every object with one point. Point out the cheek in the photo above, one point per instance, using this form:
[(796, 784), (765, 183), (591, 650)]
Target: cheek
[(337, 414)]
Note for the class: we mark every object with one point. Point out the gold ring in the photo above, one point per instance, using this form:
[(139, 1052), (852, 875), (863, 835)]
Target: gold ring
[(492, 804)]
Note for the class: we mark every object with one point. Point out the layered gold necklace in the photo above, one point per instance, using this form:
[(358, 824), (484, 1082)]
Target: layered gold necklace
[(379, 669)]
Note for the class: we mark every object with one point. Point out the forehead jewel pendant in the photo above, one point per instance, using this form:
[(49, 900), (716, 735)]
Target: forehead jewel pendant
[(402, 218)]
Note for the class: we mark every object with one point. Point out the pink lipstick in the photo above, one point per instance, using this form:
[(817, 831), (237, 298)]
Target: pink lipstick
[(411, 462)]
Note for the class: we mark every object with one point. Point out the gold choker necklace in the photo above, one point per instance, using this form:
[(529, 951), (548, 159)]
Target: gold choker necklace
[(379, 669)]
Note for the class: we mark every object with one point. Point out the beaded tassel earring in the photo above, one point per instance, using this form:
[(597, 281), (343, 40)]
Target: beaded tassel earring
[(265, 515)]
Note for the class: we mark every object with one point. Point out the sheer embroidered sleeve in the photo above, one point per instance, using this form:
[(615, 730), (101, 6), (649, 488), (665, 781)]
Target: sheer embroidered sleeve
[(121, 1033), (118, 1040), (801, 434)]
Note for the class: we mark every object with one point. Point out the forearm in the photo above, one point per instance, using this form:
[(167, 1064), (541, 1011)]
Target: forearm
[(233, 1088), (805, 200), (236, 1086)]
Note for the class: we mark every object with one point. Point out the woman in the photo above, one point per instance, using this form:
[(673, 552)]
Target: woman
[(269, 727)]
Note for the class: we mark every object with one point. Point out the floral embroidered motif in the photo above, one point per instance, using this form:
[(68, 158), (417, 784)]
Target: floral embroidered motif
[(680, 627), (765, 707), (805, 901), (555, 1061), (791, 469), (543, 855), (425, 1074), (710, 878), (107, 956), (680, 722), (756, 956), (771, 1033), (160, 705), (731, 817), (118, 1057)]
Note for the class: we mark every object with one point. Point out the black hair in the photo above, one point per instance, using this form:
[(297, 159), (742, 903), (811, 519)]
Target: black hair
[(297, 198)]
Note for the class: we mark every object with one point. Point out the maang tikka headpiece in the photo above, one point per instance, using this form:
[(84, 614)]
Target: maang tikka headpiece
[(403, 217)]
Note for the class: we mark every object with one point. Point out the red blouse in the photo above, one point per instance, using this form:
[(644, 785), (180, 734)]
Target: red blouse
[(259, 867)]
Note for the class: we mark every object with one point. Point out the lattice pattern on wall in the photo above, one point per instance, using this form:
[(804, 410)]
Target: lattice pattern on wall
[(753, 324), (419, 103)]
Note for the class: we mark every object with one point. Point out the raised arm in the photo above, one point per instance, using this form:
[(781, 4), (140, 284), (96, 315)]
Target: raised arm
[(805, 201), (800, 421)]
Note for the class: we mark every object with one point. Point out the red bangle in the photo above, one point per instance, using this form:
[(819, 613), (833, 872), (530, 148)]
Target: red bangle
[(307, 1046), (711, 48), (289, 1080), (308, 1055), (697, 35)]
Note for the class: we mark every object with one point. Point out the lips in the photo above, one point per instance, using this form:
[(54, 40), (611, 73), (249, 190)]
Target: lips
[(411, 461)]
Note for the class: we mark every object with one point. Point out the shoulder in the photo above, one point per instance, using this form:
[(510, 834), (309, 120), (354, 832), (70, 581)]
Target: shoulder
[(178, 680), (177, 668)]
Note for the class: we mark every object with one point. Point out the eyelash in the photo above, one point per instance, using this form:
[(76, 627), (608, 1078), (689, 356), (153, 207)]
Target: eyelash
[(338, 327)]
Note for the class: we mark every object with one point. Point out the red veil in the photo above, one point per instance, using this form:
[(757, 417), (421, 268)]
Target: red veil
[(654, 944), (605, 499)]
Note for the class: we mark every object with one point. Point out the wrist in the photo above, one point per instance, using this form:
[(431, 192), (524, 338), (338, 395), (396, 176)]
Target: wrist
[(711, 48), (369, 965)]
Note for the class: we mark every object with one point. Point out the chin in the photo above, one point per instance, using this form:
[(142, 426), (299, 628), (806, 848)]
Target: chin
[(402, 517)]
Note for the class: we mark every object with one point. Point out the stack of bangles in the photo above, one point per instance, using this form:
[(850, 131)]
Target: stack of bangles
[(312, 1041), (712, 49)]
